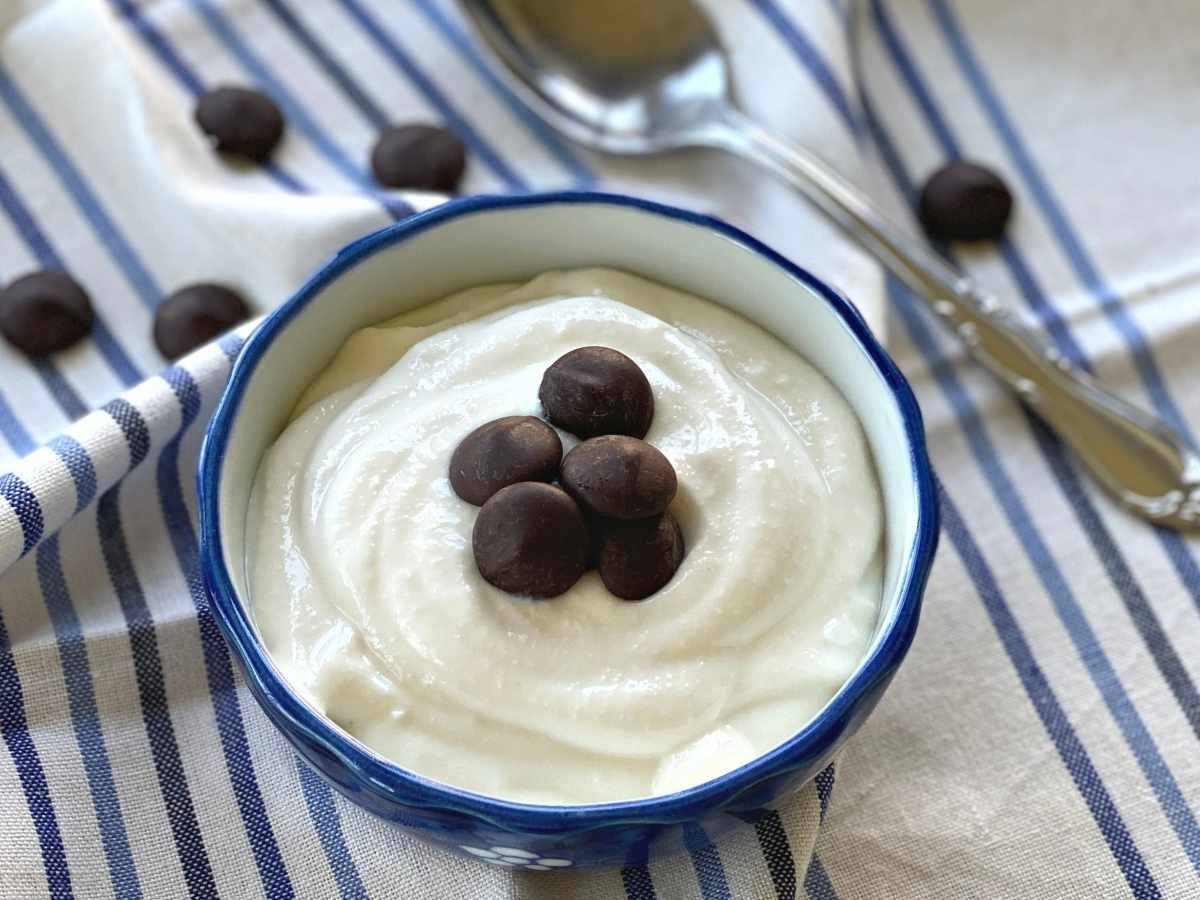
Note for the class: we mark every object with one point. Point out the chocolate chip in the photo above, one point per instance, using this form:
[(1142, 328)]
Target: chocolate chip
[(194, 315), (638, 558), (964, 201), (530, 538), (503, 452), (44, 312), (595, 526), (240, 121), (419, 157), (619, 477), (597, 390)]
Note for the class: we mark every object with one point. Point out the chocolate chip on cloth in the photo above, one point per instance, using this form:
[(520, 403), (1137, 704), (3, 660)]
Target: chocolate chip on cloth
[(530, 538), (503, 452), (45, 312), (597, 390), (638, 558), (419, 157), (619, 477), (194, 315), (964, 201), (241, 122)]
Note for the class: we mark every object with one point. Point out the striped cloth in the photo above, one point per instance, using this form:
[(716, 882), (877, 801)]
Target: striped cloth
[(1043, 738)]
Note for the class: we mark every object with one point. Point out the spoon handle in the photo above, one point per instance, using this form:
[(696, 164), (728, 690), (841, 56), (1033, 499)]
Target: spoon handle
[(1143, 463)]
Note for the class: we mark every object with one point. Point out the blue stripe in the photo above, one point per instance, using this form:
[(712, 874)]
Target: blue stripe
[(152, 695), (79, 464), (824, 782), (812, 60), (60, 389), (335, 71), (710, 874), (1080, 261), (162, 48), (106, 230), (1047, 316), (85, 720), (776, 851), (637, 883), (231, 345), (1177, 551), (1051, 713), (133, 426), (1165, 657), (903, 62), (26, 227), (15, 729), (218, 667), (25, 504), (14, 432), (321, 809), (392, 50), (531, 120), (816, 882)]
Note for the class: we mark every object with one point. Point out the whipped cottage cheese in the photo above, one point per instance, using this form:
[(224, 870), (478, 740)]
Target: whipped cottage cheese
[(364, 588)]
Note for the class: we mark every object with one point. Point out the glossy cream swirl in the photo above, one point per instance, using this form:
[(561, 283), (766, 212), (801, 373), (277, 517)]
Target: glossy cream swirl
[(364, 587)]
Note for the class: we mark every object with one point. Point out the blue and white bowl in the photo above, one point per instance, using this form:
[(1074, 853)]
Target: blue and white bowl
[(493, 239)]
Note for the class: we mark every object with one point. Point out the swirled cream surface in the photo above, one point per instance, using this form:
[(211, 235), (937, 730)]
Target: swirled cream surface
[(364, 587)]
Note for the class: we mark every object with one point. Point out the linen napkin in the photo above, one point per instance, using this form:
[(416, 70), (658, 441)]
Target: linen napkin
[(1041, 739)]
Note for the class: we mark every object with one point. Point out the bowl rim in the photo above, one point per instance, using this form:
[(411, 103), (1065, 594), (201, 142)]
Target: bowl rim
[(810, 742)]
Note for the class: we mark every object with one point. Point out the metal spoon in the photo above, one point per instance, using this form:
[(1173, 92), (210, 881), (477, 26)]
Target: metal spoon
[(582, 68)]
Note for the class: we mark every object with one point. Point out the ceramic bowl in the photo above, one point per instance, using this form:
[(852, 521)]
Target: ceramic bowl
[(493, 239)]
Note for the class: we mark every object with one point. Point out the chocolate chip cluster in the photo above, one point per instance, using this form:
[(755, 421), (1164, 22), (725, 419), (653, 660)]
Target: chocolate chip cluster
[(609, 507)]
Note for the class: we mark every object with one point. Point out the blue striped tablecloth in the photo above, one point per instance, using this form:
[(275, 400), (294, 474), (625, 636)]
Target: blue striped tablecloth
[(1043, 739)]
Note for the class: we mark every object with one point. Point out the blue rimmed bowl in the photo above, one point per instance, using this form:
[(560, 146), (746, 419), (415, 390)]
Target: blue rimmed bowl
[(494, 239)]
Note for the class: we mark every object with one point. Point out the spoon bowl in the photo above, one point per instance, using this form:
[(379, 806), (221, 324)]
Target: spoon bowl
[(578, 66)]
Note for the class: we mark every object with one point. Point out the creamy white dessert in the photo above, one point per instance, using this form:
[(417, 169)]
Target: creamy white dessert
[(364, 588)]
